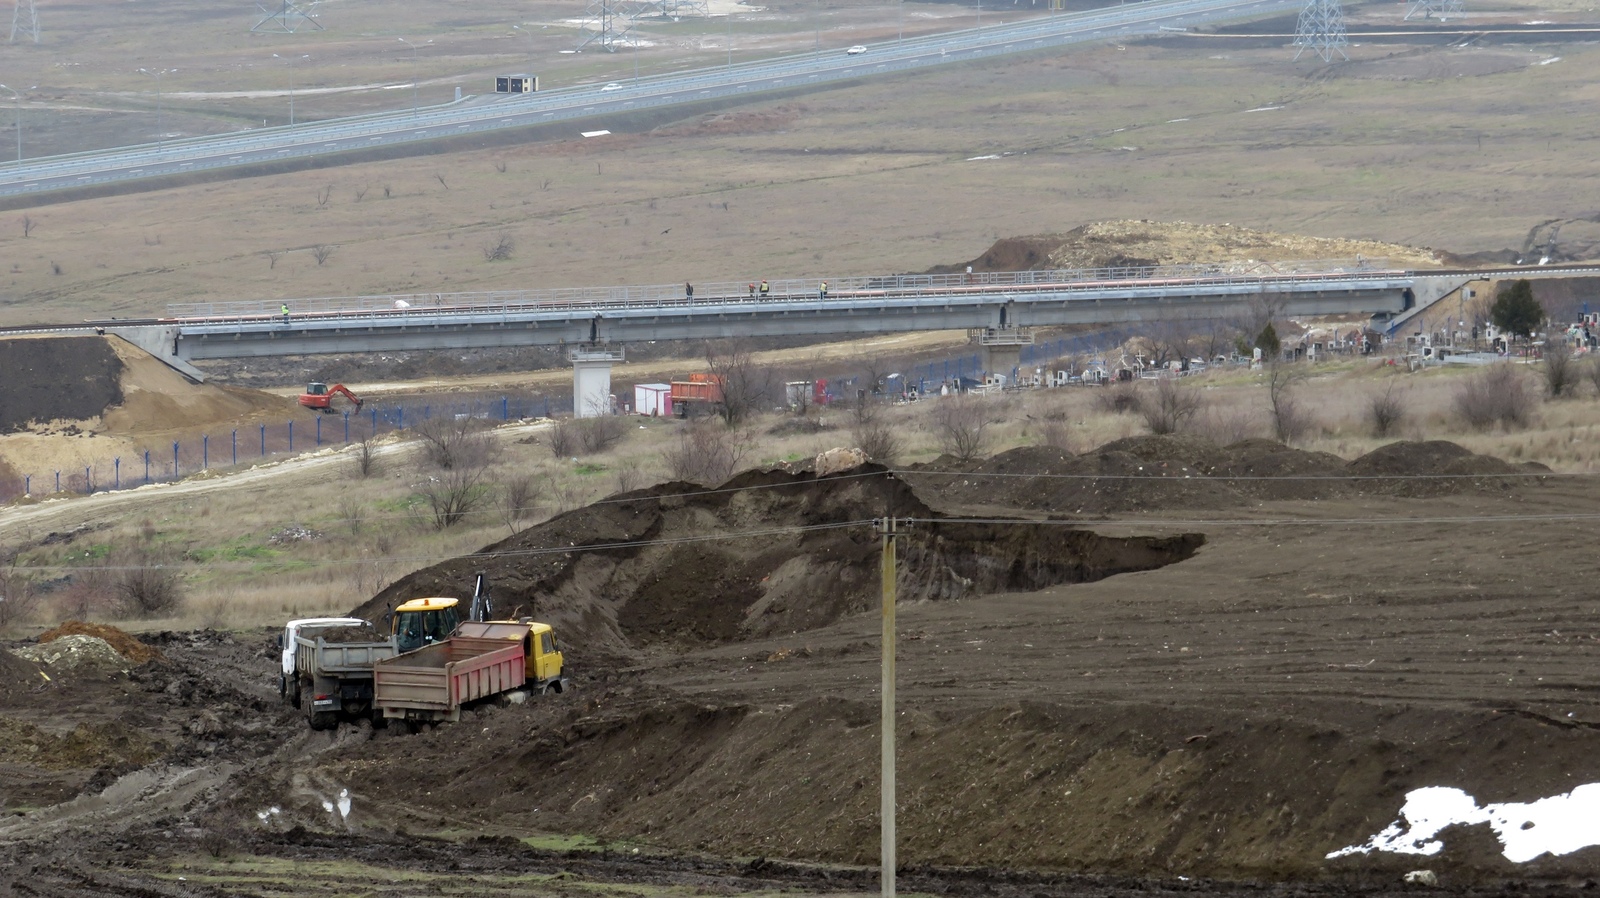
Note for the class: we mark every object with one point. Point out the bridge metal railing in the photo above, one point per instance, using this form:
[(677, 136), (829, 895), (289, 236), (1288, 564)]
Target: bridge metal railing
[(977, 286)]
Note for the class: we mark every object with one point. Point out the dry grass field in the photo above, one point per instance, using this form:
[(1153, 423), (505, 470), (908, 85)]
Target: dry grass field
[(315, 535), (1458, 148)]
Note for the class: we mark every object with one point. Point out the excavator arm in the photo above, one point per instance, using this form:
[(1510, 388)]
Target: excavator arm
[(345, 391)]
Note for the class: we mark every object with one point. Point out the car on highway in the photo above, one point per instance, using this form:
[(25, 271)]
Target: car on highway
[(857, 50), (612, 86)]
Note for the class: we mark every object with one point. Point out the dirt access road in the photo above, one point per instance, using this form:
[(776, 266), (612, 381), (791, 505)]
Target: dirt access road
[(1196, 678)]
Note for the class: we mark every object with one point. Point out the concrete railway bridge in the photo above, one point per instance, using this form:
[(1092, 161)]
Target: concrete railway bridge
[(1000, 311)]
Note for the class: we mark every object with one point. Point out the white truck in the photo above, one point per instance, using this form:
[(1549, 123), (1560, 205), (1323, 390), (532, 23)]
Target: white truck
[(329, 677)]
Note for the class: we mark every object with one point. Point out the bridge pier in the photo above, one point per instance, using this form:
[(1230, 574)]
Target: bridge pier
[(591, 377), (1002, 348)]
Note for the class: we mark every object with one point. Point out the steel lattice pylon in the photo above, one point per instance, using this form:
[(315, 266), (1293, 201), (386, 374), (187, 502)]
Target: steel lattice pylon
[(25, 22), (1321, 28), (1444, 9), (287, 19), (609, 23)]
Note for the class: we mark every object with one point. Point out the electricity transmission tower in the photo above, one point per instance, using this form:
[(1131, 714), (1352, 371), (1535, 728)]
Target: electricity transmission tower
[(609, 23), (26, 22), (1427, 9), (1321, 28), (287, 19)]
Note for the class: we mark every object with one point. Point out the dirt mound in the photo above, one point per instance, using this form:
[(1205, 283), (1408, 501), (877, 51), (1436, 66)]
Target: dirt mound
[(17, 672), (1115, 244), (57, 379), (75, 653), (772, 552), (125, 645), (1159, 472)]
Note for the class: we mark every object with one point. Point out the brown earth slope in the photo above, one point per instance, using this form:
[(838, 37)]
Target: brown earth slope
[(1237, 709)]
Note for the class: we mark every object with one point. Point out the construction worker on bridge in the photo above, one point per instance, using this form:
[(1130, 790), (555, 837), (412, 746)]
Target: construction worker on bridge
[(765, 289), (822, 292), (284, 307)]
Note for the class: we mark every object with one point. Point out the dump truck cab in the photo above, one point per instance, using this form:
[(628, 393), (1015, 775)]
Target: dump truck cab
[(422, 622), (545, 664)]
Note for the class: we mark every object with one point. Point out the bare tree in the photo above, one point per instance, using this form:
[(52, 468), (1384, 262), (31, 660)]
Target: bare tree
[(960, 425), (1560, 367), (746, 386), (562, 437), (323, 195), (452, 494), (871, 433), (707, 452), (1386, 410), (19, 600), (518, 502), (1173, 407), (500, 249), (273, 255), (352, 513), (322, 251), (361, 192), (441, 182), (27, 225), (365, 458), (451, 443), (1289, 420), (500, 166)]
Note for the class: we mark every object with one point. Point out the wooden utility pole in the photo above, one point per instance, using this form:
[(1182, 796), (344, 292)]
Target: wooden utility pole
[(886, 810)]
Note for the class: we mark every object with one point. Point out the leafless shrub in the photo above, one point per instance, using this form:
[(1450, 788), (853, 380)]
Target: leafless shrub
[(55, 268), (1592, 372), (1495, 397), (872, 434), (569, 495), (88, 592), (322, 252), (145, 584), (562, 438), (1057, 433), (364, 460), (1290, 421), (600, 433), (500, 166), (352, 514), (706, 452), (628, 478), (1560, 368), (518, 502), (19, 600), (442, 182), (451, 494), (1386, 410), (361, 192), (451, 443), (28, 225), (1173, 407), (273, 255), (500, 249), (323, 195), (1119, 397), (960, 425), (1228, 425)]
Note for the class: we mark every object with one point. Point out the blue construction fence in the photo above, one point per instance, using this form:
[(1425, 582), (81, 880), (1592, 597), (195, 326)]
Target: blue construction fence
[(963, 369), (247, 445)]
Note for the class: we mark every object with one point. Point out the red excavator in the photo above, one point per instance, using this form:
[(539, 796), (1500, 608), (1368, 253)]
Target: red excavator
[(320, 397)]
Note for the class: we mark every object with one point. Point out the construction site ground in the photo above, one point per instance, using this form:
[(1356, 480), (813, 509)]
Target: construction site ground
[(1255, 676)]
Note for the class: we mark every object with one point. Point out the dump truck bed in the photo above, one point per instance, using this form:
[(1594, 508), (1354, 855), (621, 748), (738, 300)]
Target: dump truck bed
[(432, 683)]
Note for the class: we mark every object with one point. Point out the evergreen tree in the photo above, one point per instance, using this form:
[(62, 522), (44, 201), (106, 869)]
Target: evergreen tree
[(1269, 344), (1515, 310)]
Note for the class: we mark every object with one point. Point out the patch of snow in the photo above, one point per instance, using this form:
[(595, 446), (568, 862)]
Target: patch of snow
[(1558, 825)]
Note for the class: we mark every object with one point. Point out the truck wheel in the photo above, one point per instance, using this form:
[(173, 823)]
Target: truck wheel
[(323, 720)]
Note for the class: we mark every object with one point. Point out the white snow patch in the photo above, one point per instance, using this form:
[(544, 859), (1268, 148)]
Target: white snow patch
[(1560, 824), (977, 158), (1548, 61), (1263, 109), (594, 133)]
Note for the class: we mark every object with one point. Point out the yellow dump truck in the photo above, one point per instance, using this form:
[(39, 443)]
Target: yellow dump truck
[(481, 660)]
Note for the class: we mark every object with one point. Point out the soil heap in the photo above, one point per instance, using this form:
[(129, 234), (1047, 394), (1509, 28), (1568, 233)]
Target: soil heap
[(1116, 244)]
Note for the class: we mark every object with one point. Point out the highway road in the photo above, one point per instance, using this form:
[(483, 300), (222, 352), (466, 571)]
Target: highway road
[(588, 101)]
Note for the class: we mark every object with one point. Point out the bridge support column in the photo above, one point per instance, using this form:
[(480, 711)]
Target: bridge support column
[(591, 378), (1002, 348)]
